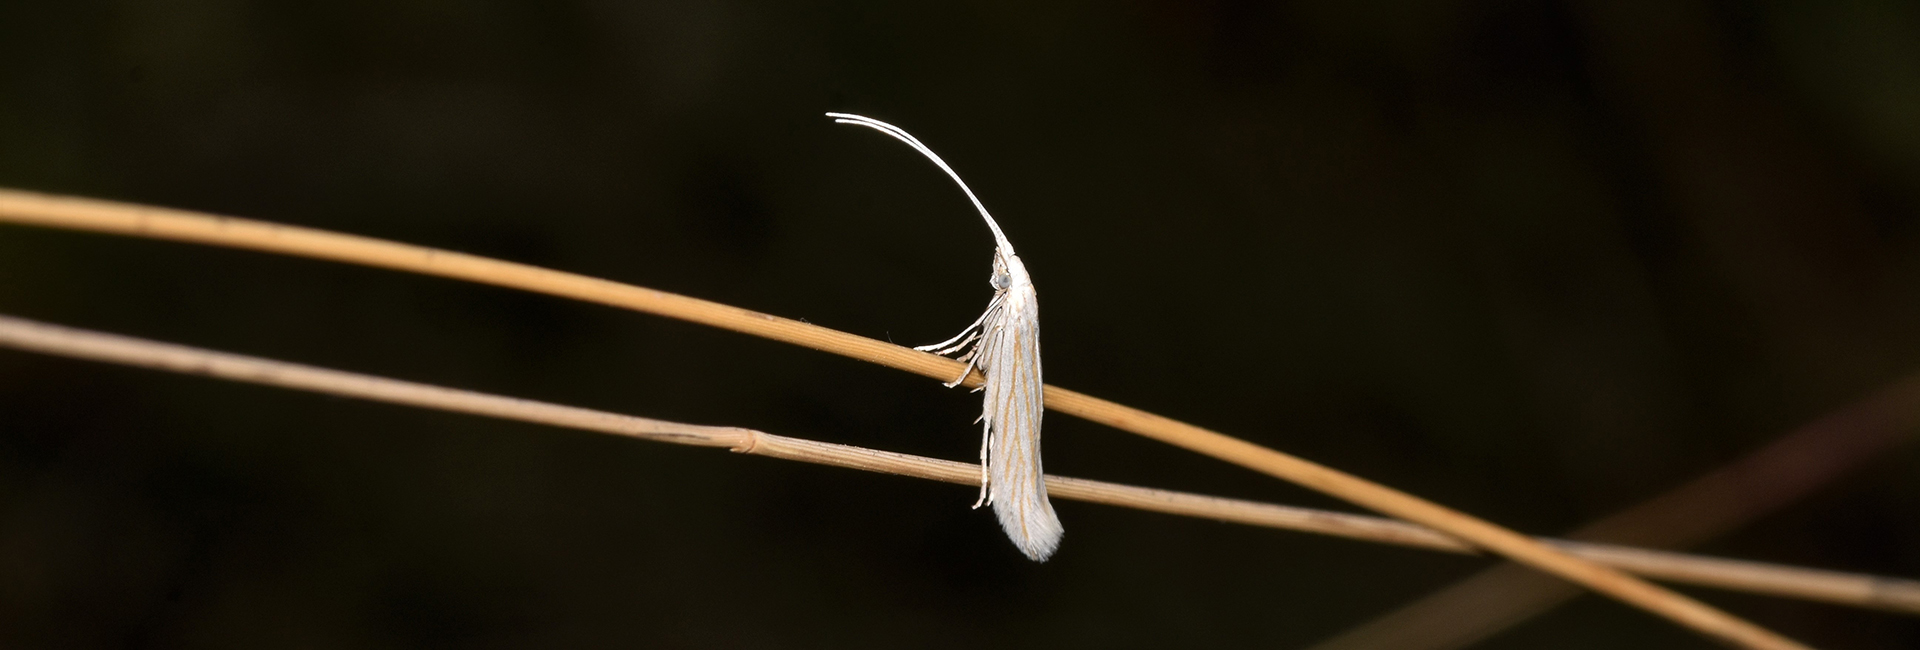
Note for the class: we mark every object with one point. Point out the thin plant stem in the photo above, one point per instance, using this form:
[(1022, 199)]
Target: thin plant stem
[(1856, 590), (1764, 480), (164, 223)]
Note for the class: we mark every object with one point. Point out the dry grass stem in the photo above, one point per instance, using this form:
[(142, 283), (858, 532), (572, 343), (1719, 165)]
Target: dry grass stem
[(1792, 582), (179, 225), (1891, 594), (1764, 480)]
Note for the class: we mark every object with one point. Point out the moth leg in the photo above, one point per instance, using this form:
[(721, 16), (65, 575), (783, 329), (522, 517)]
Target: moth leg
[(942, 349), (950, 345), (971, 364), (969, 358), (986, 439)]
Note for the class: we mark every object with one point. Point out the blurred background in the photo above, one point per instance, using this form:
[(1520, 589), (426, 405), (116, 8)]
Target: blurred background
[(1540, 261)]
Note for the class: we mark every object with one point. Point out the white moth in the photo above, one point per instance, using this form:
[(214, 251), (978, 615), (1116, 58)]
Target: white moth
[(1005, 345)]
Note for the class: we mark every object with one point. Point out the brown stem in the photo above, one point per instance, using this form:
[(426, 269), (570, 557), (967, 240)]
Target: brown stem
[(163, 223)]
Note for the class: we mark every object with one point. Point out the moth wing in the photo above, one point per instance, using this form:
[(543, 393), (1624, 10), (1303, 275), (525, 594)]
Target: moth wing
[(1014, 404)]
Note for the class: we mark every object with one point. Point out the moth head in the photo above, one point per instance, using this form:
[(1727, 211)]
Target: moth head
[(1002, 278)]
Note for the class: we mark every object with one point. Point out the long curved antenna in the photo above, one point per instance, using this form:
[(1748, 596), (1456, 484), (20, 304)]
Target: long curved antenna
[(902, 135)]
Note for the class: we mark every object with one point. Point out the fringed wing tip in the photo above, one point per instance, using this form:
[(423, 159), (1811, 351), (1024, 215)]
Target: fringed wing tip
[(1037, 537)]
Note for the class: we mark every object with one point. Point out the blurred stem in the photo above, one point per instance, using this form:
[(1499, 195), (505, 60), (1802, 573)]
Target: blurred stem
[(1771, 477), (1765, 206), (179, 225)]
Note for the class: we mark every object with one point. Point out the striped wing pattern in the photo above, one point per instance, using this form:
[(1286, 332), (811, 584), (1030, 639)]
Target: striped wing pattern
[(1005, 345), (1009, 355)]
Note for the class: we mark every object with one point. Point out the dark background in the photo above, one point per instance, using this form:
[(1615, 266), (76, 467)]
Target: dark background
[(1538, 261)]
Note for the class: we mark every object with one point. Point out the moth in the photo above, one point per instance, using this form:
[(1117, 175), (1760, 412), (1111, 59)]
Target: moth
[(1004, 343)]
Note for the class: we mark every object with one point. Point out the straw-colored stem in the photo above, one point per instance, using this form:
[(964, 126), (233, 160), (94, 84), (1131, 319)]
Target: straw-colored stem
[(1858, 590), (1793, 582), (164, 223), (1764, 480), (1877, 592)]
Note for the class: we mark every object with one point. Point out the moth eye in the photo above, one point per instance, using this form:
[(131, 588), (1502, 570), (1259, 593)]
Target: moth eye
[(1002, 280)]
